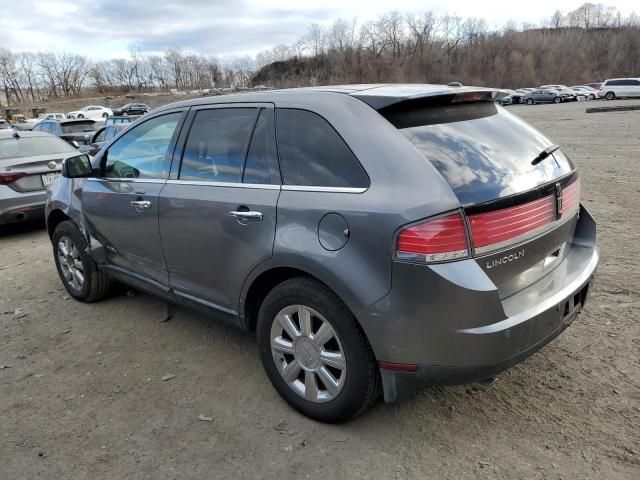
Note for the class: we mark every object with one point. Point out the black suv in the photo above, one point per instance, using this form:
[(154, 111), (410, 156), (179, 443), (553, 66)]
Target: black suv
[(132, 109)]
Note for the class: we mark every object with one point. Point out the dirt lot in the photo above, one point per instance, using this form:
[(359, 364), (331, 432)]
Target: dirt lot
[(83, 397)]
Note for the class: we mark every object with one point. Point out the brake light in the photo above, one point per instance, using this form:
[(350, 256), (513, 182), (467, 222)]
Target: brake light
[(570, 198), (507, 223), (437, 240), (10, 177)]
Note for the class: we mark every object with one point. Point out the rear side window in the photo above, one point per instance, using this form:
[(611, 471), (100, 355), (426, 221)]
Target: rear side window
[(313, 154), (217, 145), (259, 157)]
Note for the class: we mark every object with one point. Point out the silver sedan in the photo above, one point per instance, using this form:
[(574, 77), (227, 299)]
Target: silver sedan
[(29, 162)]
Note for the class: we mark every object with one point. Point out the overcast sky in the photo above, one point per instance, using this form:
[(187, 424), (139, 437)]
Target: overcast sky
[(102, 29)]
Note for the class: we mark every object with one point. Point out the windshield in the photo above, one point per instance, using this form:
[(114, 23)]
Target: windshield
[(32, 147), (481, 150)]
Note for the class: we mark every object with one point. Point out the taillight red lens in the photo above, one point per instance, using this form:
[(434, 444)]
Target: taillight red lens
[(570, 198), (501, 225), (435, 240), (10, 177)]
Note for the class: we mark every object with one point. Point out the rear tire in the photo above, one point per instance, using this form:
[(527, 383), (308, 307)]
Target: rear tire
[(610, 96), (105, 115), (293, 362), (78, 271), (557, 100)]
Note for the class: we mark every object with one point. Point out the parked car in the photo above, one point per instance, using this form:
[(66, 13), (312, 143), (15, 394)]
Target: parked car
[(46, 116), (125, 120), (132, 109), (597, 85), (75, 132), (506, 100), (520, 93), (29, 162), (95, 112), (566, 93), (621, 87), (103, 136), (544, 95), (590, 92), (481, 255)]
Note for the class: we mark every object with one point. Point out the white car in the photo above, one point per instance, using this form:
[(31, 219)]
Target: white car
[(590, 92), (621, 87), (46, 116), (95, 112)]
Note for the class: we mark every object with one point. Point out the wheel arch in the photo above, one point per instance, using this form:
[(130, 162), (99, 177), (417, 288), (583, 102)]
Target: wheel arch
[(263, 280), (55, 218)]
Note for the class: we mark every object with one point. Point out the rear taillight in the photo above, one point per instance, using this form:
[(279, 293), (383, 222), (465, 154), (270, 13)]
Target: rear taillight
[(507, 223), (570, 198), (437, 240), (10, 177)]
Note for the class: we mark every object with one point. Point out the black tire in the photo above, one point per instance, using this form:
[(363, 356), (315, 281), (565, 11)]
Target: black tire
[(529, 101), (96, 283), (80, 115), (610, 96), (362, 382), (557, 100), (592, 96), (105, 115)]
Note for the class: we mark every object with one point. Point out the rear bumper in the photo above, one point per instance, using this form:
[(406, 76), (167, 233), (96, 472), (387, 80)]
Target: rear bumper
[(445, 324), (17, 207)]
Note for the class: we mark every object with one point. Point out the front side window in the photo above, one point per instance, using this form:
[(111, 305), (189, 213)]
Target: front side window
[(312, 153), (142, 152), (217, 144)]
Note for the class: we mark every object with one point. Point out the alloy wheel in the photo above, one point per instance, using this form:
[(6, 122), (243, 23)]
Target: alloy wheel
[(308, 353), (70, 263)]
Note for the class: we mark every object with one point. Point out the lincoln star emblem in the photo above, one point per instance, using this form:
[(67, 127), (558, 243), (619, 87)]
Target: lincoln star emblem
[(52, 165)]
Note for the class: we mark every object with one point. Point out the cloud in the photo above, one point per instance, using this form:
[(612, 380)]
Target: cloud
[(103, 29)]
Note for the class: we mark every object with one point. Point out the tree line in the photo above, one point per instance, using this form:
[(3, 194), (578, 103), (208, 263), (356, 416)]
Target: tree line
[(587, 44)]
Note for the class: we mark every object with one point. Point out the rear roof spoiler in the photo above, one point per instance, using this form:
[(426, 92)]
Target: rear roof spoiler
[(388, 95)]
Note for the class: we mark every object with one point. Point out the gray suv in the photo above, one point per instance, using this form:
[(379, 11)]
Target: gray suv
[(374, 237)]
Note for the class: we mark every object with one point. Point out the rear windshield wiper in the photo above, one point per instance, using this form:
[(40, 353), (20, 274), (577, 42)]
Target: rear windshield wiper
[(544, 154)]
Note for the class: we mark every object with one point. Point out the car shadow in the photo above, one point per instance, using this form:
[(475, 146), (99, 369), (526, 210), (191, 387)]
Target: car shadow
[(22, 228)]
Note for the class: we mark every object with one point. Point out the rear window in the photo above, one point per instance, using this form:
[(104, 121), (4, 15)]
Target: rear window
[(482, 151), (32, 146), (78, 127)]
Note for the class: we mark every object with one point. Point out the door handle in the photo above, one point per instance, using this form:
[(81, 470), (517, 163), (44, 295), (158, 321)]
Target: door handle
[(248, 215), (141, 204)]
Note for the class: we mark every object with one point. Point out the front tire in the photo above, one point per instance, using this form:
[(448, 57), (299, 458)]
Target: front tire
[(105, 115), (79, 273), (610, 96), (314, 352), (80, 115), (529, 101)]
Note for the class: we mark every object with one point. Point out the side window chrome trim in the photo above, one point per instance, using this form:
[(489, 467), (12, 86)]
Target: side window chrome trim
[(259, 186), (130, 180), (302, 188)]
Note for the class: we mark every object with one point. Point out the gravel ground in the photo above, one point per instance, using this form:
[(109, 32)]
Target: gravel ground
[(82, 393)]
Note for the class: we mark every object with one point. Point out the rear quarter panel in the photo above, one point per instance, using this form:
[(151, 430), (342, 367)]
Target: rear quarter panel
[(404, 188)]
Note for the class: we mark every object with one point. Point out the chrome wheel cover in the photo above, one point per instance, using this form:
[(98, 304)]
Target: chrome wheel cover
[(308, 353), (70, 263)]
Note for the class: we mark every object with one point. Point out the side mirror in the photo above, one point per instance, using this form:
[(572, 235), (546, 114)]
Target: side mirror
[(78, 166)]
